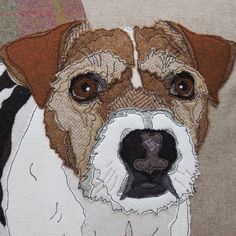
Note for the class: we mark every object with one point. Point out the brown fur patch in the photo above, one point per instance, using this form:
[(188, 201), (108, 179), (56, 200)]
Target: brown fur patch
[(101, 40), (152, 83), (33, 60), (140, 99), (163, 37), (203, 126), (59, 140), (113, 92), (215, 58)]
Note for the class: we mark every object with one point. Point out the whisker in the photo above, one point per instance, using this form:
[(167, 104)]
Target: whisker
[(108, 173), (180, 173), (189, 173), (109, 164), (114, 183), (110, 177), (179, 183)]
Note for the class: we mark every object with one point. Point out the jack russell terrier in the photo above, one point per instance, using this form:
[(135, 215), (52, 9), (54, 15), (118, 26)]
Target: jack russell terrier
[(125, 110)]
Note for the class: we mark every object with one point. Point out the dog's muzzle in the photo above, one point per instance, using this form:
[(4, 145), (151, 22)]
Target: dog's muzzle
[(148, 156), (144, 156)]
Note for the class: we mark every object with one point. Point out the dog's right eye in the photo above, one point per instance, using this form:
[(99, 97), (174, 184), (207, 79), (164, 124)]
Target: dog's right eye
[(182, 86), (85, 87)]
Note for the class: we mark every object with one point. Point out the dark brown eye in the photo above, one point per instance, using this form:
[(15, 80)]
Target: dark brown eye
[(85, 87), (182, 85)]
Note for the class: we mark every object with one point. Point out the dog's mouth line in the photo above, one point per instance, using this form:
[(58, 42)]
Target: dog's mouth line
[(148, 185), (151, 188)]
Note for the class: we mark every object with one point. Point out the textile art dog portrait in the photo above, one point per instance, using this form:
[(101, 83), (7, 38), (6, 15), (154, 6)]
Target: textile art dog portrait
[(112, 122)]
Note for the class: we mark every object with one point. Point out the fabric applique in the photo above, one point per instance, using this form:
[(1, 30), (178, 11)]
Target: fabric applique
[(114, 125)]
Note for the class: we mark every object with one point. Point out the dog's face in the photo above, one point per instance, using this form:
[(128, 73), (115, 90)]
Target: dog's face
[(127, 108)]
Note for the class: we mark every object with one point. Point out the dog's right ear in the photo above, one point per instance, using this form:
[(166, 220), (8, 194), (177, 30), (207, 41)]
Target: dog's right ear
[(34, 60), (215, 58)]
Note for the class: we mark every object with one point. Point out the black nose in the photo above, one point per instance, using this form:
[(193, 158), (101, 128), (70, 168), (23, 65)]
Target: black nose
[(148, 151)]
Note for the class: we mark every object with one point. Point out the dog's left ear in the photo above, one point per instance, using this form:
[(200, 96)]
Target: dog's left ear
[(214, 58), (33, 60)]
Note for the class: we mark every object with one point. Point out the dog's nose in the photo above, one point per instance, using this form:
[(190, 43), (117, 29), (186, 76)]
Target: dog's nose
[(148, 151), (152, 143)]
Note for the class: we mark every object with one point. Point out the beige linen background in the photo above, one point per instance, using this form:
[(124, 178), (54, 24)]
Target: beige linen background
[(213, 207)]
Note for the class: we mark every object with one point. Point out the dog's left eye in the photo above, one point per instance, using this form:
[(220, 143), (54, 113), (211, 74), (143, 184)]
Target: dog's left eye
[(85, 87), (182, 86)]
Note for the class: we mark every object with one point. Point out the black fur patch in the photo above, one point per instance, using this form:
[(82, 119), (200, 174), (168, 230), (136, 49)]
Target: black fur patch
[(5, 81), (8, 111)]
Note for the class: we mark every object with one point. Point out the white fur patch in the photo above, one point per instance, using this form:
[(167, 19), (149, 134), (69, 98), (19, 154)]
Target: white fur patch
[(39, 200), (136, 79), (2, 68), (107, 175)]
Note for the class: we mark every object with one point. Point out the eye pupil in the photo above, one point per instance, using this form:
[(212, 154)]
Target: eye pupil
[(183, 86), (85, 87)]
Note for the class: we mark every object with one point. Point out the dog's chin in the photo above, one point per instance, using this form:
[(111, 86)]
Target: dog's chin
[(153, 200), (109, 180)]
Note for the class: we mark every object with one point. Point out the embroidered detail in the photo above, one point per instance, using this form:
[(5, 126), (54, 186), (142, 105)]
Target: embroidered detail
[(128, 231), (116, 143)]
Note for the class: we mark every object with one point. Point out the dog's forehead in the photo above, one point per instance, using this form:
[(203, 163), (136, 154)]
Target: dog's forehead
[(116, 41), (125, 41), (163, 37)]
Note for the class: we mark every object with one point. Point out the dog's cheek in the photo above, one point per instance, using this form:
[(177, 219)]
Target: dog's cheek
[(203, 125), (59, 139), (189, 114), (80, 124), (90, 130)]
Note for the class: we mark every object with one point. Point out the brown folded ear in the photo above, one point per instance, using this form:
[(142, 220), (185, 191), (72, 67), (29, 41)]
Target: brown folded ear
[(33, 60), (214, 58)]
